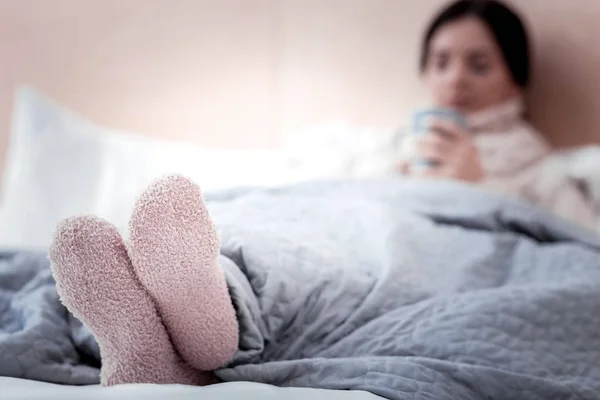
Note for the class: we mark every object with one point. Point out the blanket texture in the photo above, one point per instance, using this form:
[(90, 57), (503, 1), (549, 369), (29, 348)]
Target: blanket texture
[(410, 290)]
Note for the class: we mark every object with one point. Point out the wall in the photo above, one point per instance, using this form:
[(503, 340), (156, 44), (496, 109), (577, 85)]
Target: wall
[(243, 72)]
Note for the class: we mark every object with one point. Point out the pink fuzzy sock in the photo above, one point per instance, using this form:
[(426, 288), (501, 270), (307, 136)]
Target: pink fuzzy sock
[(174, 249), (96, 282)]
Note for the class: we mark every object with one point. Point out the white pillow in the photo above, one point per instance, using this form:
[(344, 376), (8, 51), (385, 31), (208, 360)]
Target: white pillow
[(337, 149), (59, 164)]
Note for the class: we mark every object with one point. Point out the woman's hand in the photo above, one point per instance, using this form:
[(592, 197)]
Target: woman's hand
[(451, 150)]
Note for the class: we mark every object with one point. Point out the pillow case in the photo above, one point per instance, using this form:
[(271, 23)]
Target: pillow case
[(60, 164)]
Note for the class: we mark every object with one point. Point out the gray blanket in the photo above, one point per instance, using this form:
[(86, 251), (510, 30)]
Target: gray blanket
[(410, 290)]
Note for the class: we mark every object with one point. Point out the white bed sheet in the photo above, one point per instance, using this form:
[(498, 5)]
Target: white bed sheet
[(21, 389)]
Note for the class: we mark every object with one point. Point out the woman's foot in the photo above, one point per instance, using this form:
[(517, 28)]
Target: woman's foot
[(174, 248), (96, 282)]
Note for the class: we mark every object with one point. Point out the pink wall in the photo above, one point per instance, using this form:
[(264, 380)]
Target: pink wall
[(244, 72)]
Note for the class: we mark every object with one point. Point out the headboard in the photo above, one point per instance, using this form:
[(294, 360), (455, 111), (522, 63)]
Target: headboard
[(244, 73)]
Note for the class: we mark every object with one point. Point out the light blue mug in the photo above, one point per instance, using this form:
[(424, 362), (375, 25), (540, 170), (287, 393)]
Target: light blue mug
[(420, 126)]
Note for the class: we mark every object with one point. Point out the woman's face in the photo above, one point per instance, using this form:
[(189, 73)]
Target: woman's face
[(465, 68)]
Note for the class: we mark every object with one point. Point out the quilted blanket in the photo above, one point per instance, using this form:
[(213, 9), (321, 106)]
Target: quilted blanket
[(410, 290)]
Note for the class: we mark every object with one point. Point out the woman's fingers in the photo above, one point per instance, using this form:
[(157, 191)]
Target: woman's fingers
[(448, 129), (403, 167), (433, 147), (437, 172)]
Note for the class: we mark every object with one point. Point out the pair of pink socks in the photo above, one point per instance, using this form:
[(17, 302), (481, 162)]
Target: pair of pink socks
[(159, 305)]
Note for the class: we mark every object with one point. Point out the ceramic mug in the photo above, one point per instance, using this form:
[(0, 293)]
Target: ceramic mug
[(420, 126)]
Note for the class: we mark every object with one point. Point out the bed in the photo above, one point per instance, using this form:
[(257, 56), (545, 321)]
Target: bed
[(47, 141), (323, 311)]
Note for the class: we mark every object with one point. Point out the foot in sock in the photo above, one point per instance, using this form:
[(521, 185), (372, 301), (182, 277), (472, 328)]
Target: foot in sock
[(96, 282), (174, 248)]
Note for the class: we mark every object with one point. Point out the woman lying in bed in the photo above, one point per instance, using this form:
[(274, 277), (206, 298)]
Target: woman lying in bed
[(160, 306), (475, 62)]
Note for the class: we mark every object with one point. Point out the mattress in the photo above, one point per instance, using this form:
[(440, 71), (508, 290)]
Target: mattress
[(21, 389)]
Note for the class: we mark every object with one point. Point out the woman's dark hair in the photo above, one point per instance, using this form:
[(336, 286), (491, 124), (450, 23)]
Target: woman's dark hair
[(504, 24)]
